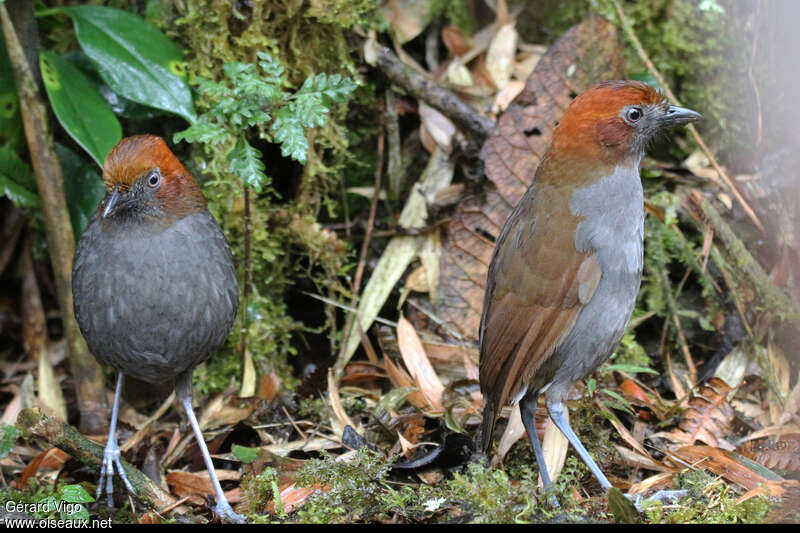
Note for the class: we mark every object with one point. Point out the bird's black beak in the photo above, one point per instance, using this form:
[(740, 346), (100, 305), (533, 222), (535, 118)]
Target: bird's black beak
[(679, 115), (112, 199)]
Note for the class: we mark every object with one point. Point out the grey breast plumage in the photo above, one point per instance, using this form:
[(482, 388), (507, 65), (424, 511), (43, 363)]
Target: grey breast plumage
[(153, 302)]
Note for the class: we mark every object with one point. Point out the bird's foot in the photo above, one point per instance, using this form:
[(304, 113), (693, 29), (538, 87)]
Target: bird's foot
[(111, 456), (663, 496), (546, 494), (224, 510)]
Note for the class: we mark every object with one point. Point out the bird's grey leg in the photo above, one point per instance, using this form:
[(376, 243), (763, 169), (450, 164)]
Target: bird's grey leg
[(111, 453), (183, 391), (527, 409), (556, 410)]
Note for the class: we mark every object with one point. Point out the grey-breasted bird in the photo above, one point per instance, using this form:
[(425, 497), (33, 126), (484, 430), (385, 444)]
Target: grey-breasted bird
[(153, 283), (567, 266)]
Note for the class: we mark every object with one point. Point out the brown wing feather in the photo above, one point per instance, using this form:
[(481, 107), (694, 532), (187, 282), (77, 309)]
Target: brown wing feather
[(535, 291)]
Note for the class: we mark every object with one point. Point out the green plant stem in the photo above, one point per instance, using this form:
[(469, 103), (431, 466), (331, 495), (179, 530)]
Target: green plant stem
[(86, 372)]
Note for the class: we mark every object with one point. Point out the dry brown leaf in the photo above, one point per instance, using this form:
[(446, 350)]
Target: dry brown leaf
[(634, 392), (506, 95), (708, 417), (721, 463), (458, 74), (294, 497), (439, 126), (554, 448), (635, 459), (268, 386), (418, 280), (418, 364), (52, 458), (514, 431), (407, 17), (660, 481), (401, 250), (585, 54), (224, 410), (500, 55), (781, 452), (197, 485), (401, 379), (456, 40), (340, 418), (248, 388)]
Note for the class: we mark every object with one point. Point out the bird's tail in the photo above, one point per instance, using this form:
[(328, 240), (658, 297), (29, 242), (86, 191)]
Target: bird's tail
[(487, 427)]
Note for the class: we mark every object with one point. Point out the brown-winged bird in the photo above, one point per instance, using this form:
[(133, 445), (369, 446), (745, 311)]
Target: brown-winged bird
[(153, 283), (566, 269)]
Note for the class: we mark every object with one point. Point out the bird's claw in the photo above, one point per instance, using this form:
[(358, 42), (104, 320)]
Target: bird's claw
[(224, 510), (663, 496), (111, 456)]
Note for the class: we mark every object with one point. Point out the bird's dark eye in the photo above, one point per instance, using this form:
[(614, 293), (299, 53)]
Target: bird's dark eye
[(633, 114), (154, 179)]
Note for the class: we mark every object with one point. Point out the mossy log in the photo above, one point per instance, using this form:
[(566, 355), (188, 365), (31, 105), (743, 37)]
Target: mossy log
[(742, 261), (34, 423)]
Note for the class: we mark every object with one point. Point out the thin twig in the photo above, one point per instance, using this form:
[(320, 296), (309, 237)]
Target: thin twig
[(420, 86), (247, 272), (626, 25), (362, 261), (348, 308)]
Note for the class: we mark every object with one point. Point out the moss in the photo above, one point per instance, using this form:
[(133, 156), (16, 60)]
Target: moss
[(355, 487), (286, 242), (709, 500)]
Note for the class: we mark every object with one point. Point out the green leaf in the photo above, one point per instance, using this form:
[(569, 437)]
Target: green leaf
[(204, 132), (591, 386), (621, 402), (10, 118), (16, 169), (17, 181), (80, 110), (245, 454), (8, 434), (83, 187), (75, 494), (630, 369), (19, 195), (246, 164), (622, 508), (133, 57), (79, 514), (288, 131)]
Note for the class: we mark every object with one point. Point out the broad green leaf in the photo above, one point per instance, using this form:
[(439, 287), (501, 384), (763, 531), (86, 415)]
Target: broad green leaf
[(244, 454), (78, 514), (120, 105), (83, 188), (622, 403), (630, 369), (10, 119), (19, 195), (17, 181), (16, 169), (133, 57), (75, 494), (80, 110), (8, 434), (622, 508)]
